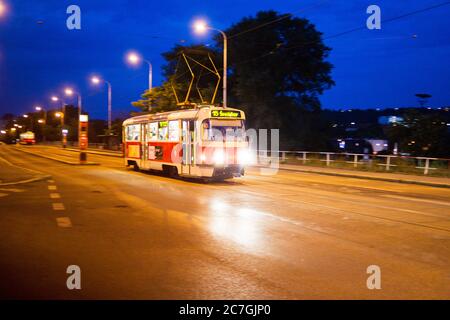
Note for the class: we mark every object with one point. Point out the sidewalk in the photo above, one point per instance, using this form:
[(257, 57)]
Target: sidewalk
[(381, 176)]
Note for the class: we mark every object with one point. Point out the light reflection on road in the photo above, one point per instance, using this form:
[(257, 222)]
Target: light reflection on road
[(241, 225)]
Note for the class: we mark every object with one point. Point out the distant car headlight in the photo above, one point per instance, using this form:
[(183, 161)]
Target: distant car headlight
[(219, 157)]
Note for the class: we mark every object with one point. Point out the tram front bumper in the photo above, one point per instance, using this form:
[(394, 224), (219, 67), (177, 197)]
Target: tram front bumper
[(228, 171)]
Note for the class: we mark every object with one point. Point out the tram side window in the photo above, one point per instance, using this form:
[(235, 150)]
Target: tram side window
[(133, 132), (174, 131), (163, 132), (152, 131)]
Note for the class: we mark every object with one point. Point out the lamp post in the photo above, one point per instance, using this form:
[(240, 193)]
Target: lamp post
[(63, 107), (26, 116), (97, 80), (42, 121), (63, 131), (201, 27), (69, 92), (135, 58)]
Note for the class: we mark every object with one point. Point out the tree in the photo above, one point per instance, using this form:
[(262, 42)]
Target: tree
[(277, 72), (421, 134), (159, 99)]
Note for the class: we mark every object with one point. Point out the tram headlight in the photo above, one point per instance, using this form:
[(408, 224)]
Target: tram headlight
[(244, 156), (219, 157)]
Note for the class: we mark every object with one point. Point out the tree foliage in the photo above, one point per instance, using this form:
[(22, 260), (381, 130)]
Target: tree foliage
[(421, 134), (277, 73)]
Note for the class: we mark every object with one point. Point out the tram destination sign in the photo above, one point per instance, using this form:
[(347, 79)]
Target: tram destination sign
[(225, 114)]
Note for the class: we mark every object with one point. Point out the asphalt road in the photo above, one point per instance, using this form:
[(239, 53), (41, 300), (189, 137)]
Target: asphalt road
[(289, 236)]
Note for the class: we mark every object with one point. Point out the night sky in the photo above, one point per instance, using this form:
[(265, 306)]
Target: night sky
[(372, 69)]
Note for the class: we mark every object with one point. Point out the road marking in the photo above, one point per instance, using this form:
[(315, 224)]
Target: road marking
[(3, 194), (55, 196), (416, 199), (11, 190), (51, 181), (58, 206), (63, 222), (51, 187)]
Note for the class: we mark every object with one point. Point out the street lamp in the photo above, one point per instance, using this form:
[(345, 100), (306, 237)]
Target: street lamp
[(38, 108), (96, 80), (62, 116), (42, 121), (2, 8), (200, 27), (25, 116), (69, 92), (135, 58)]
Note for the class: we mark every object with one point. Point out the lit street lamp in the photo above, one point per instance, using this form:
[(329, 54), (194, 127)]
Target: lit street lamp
[(2, 8), (201, 27), (63, 108), (69, 92), (38, 108), (42, 121), (134, 58), (97, 80), (62, 116)]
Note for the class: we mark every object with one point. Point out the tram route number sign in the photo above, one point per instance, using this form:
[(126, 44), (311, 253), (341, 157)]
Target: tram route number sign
[(225, 114)]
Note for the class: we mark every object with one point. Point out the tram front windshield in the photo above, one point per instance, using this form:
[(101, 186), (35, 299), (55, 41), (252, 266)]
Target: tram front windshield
[(223, 130)]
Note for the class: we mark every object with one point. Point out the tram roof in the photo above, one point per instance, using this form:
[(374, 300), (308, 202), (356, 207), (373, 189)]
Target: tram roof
[(185, 113)]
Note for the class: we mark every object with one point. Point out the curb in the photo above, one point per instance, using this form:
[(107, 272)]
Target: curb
[(349, 175), (60, 160), (98, 153), (25, 181)]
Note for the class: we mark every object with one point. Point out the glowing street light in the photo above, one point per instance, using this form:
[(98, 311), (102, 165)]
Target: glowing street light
[(200, 27), (37, 108), (2, 8), (96, 80), (25, 116), (41, 121), (55, 98), (135, 58)]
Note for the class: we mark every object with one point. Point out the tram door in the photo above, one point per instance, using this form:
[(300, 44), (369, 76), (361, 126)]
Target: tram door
[(188, 134)]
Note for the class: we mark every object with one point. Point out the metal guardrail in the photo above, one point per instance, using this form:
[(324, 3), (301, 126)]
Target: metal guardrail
[(394, 163)]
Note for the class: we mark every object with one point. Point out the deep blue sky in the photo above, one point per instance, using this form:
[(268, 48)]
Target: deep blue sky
[(373, 69)]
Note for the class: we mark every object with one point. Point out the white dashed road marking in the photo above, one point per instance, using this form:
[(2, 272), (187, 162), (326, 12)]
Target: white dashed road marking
[(51, 181), (58, 206), (51, 187), (55, 196), (64, 222)]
